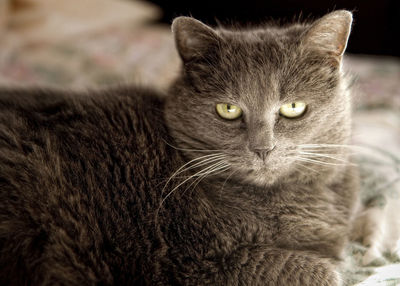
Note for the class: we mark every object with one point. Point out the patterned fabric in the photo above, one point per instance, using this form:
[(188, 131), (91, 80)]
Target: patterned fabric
[(117, 55), (377, 132), (147, 56)]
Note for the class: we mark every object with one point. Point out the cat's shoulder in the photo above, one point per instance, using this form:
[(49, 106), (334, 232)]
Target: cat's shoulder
[(48, 105), (25, 98), (75, 116)]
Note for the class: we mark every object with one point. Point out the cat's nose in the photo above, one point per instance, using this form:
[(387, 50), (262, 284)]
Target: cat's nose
[(262, 153)]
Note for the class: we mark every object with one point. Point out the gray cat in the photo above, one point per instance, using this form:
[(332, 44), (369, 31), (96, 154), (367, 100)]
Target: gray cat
[(239, 176)]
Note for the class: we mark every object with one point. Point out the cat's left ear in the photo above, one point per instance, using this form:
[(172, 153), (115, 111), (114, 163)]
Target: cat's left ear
[(193, 38), (330, 34)]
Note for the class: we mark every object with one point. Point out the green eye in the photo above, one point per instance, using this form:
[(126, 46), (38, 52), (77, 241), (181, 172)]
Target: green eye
[(293, 109), (228, 111)]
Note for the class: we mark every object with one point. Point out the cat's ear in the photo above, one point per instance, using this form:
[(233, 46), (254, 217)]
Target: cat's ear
[(330, 34), (193, 38)]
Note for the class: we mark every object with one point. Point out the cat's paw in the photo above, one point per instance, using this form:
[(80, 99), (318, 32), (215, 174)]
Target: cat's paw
[(373, 256), (368, 230), (379, 254), (379, 231)]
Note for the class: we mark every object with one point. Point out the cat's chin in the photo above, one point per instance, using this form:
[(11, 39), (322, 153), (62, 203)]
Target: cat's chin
[(262, 178), (263, 181)]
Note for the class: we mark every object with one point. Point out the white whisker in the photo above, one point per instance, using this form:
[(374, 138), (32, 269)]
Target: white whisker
[(182, 168), (216, 170), (199, 164), (307, 167), (226, 180), (199, 173), (323, 156), (204, 162), (327, 145), (332, 146), (318, 162), (230, 175)]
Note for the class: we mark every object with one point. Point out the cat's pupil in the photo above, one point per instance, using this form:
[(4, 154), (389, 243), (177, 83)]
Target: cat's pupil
[(293, 105)]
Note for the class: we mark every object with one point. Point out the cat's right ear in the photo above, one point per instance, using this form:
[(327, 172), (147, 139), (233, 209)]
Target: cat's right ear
[(193, 39), (330, 34)]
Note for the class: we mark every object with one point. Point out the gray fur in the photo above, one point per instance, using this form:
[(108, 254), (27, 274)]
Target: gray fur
[(89, 187)]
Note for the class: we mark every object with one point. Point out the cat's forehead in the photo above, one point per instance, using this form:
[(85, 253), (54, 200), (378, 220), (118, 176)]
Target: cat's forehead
[(264, 67), (255, 63), (261, 52), (263, 37), (256, 92)]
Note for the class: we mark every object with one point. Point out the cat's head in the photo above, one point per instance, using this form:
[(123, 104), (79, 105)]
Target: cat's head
[(253, 101)]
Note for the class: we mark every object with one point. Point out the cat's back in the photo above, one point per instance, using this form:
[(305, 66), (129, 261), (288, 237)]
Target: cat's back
[(78, 174)]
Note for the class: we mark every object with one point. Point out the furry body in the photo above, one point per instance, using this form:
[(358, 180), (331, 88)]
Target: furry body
[(75, 210), (72, 203), (85, 194)]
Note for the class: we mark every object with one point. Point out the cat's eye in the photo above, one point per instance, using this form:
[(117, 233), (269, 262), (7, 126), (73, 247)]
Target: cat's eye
[(293, 109), (228, 111)]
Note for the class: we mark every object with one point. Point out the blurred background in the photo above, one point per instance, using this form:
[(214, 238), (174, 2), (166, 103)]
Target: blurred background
[(376, 22), (80, 44)]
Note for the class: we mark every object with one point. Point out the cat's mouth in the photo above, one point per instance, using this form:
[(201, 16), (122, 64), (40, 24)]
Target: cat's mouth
[(259, 170)]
